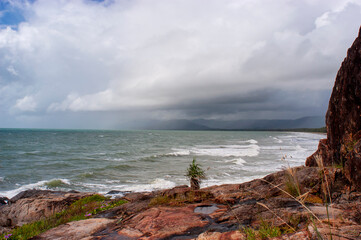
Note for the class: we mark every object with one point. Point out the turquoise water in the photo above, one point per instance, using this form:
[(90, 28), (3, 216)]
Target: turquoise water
[(101, 161)]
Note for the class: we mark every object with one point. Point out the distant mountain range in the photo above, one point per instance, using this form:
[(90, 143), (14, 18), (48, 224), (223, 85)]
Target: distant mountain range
[(255, 124)]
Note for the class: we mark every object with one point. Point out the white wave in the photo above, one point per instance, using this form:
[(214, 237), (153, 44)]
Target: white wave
[(95, 185), (179, 152), (41, 185), (252, 141), (112, 181), (285, 149), (229, 151), (12, 193), (114, 159), (1, 179), (277, 140), (131, 181), (157, 184), (238, 161)]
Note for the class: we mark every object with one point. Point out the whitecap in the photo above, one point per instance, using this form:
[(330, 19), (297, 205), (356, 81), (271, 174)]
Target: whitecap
[(229, 151), (112, 181), (156, 184), (94, 185), (239, 161), (179, 152), (12, 193), (114, 159), (132, 181), (277, 140)]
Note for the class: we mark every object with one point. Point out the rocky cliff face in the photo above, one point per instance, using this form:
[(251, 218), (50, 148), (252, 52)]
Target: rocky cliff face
[(343, 119)]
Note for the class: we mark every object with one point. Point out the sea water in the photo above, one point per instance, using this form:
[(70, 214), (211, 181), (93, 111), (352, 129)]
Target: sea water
[(101, 161)]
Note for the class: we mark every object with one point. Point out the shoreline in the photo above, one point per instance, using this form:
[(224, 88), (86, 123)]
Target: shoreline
[(195, 213)]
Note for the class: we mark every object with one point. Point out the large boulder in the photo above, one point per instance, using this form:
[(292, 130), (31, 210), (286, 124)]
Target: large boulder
[(343, 119)]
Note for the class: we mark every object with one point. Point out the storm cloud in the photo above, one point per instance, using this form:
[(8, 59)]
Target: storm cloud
[(101, 64)]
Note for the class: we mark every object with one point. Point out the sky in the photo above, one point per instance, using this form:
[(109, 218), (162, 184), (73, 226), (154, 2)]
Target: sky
[(110, 64)]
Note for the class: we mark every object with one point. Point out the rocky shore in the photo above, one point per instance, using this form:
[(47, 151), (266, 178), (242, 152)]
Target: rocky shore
[(319, 201), (218, 212)]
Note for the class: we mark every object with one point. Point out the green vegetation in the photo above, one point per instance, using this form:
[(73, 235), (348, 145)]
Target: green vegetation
[(265, 231), (82, 209), (179, 199), (250, 233), (195, 173)]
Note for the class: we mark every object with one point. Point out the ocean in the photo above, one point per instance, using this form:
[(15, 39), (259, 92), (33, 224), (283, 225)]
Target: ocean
[(102, 161)]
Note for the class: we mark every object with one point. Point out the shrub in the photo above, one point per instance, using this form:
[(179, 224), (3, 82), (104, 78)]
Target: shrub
[(195, 174)]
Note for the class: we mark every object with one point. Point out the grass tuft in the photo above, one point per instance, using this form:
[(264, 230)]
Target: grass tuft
[(265, 231)]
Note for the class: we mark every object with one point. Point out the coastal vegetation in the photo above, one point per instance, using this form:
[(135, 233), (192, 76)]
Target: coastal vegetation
[(265, 231), (195, 174)]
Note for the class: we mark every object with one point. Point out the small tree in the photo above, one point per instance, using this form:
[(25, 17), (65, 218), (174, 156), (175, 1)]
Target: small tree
[(195, 174)]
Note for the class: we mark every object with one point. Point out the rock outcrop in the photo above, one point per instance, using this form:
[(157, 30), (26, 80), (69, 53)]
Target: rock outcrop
[(33, 205), (343, 120)]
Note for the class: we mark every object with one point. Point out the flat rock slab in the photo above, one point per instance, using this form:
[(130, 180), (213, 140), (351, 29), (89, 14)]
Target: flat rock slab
[(163, 222), (75, 230)]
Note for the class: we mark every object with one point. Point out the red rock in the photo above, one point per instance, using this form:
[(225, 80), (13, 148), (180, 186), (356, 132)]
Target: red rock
[(163, 222), (323, 151), (343, 118), (75, 230), (130, 233), (353, 166)]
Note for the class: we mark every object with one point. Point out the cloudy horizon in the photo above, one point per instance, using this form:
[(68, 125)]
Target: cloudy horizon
[(107, 64)]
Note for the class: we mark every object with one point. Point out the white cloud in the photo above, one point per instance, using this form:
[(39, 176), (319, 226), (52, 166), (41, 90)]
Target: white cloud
[(26, 104), (12, 70), (79, 55)]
